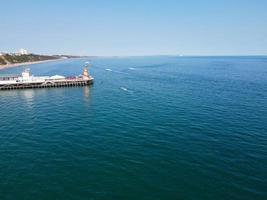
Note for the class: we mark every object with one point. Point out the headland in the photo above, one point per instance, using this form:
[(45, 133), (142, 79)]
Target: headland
[(9, 60)]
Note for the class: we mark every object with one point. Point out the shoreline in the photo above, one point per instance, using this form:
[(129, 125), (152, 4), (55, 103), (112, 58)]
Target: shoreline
[(2, 67)]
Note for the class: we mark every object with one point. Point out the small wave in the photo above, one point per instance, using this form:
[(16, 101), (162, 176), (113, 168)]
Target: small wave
[(109, 70), (131, 68)]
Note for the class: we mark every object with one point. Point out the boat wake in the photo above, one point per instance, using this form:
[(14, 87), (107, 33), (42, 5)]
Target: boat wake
[(110, 70), (124, 88), (128, 91)]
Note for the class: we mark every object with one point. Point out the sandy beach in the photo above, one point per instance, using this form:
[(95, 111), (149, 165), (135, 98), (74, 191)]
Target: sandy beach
[(28, 63)]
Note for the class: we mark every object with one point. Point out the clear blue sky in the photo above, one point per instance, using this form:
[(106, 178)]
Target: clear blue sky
[(136, 27)]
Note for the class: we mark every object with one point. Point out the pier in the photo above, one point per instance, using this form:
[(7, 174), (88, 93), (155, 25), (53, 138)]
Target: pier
[(62, 83), (26, 80)]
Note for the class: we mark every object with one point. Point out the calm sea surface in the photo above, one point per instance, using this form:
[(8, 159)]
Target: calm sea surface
[(149, 128)]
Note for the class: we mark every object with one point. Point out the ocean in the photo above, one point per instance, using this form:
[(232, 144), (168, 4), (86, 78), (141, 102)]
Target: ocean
[(162, 127)]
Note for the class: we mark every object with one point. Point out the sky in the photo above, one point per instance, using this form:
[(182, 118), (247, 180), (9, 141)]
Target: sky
[(134, 27)]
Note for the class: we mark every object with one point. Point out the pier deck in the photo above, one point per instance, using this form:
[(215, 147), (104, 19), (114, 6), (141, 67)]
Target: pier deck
[(48, 84)]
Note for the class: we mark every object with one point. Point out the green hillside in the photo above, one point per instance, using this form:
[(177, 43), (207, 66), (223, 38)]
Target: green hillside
[(13, 59)]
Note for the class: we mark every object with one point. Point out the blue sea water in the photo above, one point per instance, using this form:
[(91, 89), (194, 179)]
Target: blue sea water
[(149, 128)]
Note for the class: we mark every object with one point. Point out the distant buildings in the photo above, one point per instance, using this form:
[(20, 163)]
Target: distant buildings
[(19, 53), (23, 52)]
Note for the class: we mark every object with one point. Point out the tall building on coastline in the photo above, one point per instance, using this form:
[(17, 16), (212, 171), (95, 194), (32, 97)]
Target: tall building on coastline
[(22, 52)]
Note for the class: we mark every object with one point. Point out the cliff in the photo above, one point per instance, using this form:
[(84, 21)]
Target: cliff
[(15, 59)]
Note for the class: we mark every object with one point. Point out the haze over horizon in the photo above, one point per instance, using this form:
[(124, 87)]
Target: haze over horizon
[(124, 28)]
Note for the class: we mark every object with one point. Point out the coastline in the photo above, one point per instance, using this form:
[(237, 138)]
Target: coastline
[(2, 67)]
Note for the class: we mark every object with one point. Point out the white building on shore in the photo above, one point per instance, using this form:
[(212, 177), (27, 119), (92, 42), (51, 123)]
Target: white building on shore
[(2, 53), (23, 52)]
